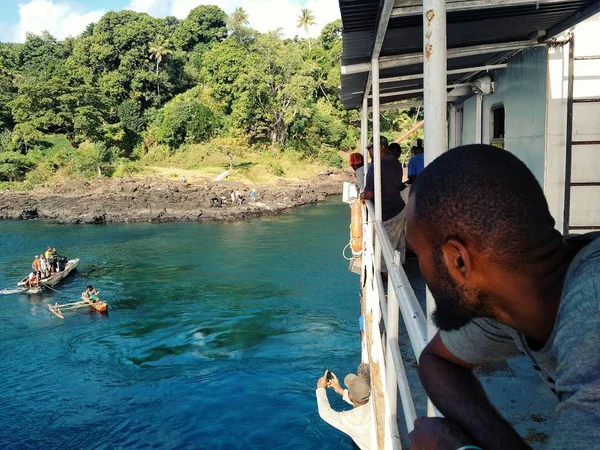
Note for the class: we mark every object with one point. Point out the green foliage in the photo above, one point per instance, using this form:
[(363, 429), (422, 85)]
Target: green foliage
[(203, 25), (131, 116), (93, 159), (126, 168), (184, 122), (14, 166), (276, 169), (133, 87)]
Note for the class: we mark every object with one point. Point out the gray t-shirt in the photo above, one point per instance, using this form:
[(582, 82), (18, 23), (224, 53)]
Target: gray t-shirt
[(570, 360)]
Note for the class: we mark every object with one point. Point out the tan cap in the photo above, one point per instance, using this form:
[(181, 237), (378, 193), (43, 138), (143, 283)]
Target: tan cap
[(358, 388)]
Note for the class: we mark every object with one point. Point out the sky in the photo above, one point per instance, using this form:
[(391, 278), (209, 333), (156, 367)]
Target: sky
[(63, 18)]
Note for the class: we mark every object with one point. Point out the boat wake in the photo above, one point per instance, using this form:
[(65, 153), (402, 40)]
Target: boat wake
[(9, 291)]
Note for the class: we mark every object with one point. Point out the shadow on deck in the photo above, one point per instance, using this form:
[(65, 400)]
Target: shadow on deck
[(516, 390)]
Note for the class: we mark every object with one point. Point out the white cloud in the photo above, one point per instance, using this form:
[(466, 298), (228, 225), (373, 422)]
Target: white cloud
[(63, 18), (60, 18), (264, 15)]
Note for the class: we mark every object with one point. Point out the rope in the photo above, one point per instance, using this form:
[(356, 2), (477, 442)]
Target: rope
[(344, 252)]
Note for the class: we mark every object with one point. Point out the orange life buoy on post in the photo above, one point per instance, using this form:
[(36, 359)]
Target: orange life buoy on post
[(356, 227)]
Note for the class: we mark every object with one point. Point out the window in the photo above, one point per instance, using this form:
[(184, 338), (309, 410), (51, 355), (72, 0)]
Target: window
[(497, 124)]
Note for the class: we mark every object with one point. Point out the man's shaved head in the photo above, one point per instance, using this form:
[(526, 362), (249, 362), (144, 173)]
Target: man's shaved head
[(487, 197)]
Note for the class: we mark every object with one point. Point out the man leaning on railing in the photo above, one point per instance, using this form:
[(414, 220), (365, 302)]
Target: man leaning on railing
[(505, 284)]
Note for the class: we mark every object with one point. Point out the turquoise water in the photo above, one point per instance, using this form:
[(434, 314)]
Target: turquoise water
[(215, 337)]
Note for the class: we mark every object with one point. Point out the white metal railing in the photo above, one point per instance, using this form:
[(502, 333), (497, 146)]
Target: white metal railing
[(401, 300)]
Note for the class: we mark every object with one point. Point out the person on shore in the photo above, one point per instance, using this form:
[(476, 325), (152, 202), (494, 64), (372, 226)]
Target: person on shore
[(239, 198), (90, 294), (357, 162), (393, 211), (253, 195), (506, 284), (416, 164), (356, 422), (232, 196)]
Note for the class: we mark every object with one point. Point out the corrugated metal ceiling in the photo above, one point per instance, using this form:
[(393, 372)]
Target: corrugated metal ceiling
[(465, 28)]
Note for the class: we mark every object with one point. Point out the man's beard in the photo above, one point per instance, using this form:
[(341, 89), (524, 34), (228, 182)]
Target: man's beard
[(455, 306)]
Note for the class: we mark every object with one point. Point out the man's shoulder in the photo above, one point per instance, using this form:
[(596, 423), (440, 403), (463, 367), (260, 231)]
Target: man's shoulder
[(581, 281)]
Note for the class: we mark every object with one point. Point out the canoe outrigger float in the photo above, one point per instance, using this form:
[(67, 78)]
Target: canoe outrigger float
[(52, 280), (57, 309)]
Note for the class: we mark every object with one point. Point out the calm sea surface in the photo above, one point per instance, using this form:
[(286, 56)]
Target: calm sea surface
[(215, 337)]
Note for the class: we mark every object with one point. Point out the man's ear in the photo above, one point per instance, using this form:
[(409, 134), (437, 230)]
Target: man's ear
[(457, 258)]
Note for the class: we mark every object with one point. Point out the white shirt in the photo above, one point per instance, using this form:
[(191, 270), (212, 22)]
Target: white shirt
[(356, 422), (360, 178)]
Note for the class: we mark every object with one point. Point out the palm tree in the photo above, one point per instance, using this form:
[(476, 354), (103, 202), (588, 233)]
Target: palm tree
[(306, 19), (238, 18), (161, 48)]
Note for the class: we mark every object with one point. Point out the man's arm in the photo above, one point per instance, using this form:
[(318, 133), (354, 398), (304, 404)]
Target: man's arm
[(458, 395)]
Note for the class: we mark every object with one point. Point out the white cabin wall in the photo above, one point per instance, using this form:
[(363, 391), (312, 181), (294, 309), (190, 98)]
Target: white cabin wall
[(521, 87)]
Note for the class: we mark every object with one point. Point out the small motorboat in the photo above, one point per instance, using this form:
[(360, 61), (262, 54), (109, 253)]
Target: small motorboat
[(52, 280)]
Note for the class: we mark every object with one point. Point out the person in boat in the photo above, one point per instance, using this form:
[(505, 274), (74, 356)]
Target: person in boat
[(48, 256), (33, 281), (55, 260), (90, 294), (506, 284), (35, 266), (43, 266), (356, 422)]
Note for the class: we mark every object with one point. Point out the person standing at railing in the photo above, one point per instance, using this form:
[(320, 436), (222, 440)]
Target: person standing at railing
[(392, 206), (506, 284), (357, 163), (416, 164), (356, 422)]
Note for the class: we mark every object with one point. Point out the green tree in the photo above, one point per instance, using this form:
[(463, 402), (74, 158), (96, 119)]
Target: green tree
[(237, 26), (158, 50), (14, 166), (183, 121), (274, 89), (204, 25), (306, 19)]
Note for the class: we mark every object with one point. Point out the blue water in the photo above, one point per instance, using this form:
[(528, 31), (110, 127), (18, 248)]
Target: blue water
[(215, 337)]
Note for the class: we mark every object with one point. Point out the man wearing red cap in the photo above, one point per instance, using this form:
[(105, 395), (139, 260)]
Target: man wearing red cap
[(357, 163)]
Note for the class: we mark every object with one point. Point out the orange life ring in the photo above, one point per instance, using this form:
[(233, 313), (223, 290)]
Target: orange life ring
[(356, 227)]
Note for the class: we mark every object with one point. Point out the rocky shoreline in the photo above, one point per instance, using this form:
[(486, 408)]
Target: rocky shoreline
[(158, 200)]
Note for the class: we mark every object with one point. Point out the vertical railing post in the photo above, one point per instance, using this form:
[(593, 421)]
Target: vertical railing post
[(376, 313), (364, 134), (435, 99), (391, 328)]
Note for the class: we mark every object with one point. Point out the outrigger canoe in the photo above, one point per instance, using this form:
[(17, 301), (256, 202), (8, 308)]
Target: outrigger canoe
[(53, 279), (57, 309)]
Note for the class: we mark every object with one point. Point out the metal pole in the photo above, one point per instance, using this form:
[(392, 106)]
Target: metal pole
[(452, 127), (376, 156), (434, 99), (478, 117), (569, 137), (364, 135)]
